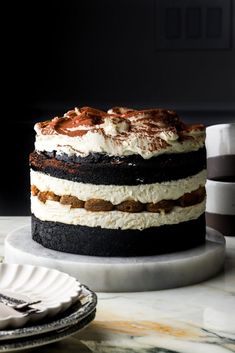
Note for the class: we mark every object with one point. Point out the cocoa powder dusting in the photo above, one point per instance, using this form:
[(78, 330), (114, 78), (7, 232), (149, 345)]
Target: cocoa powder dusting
[(144, 124)]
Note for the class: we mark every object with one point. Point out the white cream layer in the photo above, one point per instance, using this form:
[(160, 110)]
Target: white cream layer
[(169, 190), (96, 142), (56, 212)]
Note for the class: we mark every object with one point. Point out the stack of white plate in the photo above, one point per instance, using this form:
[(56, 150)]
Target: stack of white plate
[(64, 306)]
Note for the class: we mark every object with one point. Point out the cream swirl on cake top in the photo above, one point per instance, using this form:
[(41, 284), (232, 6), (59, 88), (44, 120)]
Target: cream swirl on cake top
[(118, 132)]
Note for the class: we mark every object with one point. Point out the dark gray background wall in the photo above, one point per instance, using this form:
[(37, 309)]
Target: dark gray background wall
[(101, 53)]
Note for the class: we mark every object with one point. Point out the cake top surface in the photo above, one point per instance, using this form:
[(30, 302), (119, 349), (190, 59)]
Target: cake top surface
[(119, 132)]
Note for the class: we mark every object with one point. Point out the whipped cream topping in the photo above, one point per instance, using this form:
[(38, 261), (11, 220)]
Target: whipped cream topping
[(114, 126), (118, 132)]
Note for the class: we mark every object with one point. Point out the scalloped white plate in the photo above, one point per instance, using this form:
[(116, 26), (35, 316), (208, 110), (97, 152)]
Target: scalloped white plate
[(80, 310), (56, 290)]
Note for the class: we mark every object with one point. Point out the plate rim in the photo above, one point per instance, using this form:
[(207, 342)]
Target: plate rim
[(54, 336)]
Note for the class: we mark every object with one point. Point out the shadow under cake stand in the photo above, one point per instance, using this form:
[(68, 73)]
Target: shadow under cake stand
[(110, 274)]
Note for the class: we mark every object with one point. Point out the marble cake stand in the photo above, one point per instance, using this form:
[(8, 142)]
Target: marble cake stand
[(123, 274)]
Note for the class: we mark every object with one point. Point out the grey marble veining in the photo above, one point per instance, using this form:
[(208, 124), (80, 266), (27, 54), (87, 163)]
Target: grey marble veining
[(194, 319)]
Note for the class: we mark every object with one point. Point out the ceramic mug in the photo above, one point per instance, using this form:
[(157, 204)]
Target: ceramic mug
[(220, 206), (220, 146)]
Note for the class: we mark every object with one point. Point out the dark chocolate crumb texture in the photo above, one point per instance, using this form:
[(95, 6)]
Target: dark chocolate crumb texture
[(121, 171), (96, 241)]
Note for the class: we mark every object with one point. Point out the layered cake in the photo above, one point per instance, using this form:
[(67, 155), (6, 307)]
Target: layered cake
[(118, 183)]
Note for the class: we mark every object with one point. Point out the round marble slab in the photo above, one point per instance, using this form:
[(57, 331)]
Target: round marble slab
[(111, 274)]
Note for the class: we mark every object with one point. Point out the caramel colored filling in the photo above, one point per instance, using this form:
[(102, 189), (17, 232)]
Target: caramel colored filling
[(98, 205)]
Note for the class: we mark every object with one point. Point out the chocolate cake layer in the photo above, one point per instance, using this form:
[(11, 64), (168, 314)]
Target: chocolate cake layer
[(130, 170), (221, 168), (133, 159), (97, 241), (225, 224)]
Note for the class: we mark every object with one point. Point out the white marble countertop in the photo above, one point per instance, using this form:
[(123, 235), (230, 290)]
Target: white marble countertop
[(198, 318)]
